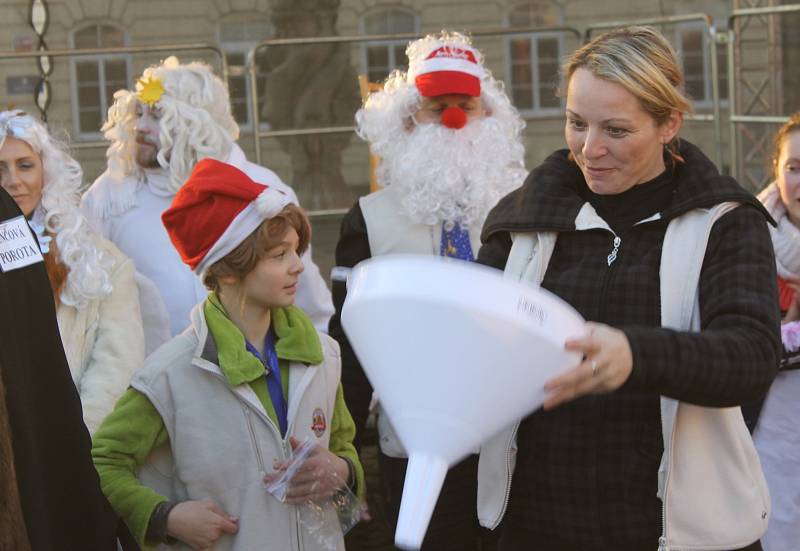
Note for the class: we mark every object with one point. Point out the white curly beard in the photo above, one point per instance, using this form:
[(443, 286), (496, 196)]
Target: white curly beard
[(446, 175)]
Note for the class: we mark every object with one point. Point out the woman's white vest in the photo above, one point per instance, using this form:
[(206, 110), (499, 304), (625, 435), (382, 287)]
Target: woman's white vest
[(391, 232), (221, 440), (710, 479)]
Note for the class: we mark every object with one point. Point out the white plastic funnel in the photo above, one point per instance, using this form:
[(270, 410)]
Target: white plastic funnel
[(456, 353)]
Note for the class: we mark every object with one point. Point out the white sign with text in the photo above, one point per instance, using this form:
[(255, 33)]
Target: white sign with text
[(18, 247)]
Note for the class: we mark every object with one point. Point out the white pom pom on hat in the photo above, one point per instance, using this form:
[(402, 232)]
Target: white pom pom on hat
[(270, 202)]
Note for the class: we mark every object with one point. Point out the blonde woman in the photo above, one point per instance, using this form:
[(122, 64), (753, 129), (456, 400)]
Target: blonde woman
[(587, 465), (93, 286)]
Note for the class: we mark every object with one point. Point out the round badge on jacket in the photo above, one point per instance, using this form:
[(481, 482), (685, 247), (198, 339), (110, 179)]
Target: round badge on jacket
[(318, 422)]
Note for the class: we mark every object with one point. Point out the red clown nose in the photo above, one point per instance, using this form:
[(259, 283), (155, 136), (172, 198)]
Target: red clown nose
[(454, 117)]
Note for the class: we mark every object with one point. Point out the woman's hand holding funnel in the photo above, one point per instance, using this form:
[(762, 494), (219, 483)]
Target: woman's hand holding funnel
[(607, 364)]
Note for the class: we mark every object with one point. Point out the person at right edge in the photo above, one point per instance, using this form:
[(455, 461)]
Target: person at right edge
[(586, 471), (776, 434)]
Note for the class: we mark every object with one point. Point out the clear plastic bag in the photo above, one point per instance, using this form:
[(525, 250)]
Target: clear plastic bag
[(328, 521), (280, 485)]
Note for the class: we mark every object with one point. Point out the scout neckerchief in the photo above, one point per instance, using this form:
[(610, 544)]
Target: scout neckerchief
[(273, 374), (455, 243)]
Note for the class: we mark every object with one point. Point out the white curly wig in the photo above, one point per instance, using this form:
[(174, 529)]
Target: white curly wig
[(384, 122), (196, 121), (88, 267)]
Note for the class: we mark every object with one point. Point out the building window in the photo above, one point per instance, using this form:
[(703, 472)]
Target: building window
[(534, 59), (237, 39), (96, 78), (693, 46), (381, 58)]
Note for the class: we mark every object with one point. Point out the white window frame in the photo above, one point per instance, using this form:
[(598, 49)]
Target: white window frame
[(243, 47), (533, 39), (389, 44), (707, 101), (105, 101)]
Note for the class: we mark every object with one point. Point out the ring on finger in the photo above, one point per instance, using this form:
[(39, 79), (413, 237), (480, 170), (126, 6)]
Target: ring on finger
[(594, 368)]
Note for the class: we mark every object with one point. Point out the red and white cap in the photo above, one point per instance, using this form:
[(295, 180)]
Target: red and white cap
[(448, 69), (215, 210)]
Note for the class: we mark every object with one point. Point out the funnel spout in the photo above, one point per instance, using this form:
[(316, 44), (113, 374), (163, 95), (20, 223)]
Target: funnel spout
[(424, 478)]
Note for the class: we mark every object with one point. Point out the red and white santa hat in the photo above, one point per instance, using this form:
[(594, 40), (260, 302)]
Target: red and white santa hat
[(215, 210), (448, 69)]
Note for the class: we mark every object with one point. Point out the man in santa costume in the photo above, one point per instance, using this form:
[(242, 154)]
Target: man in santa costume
[(177, 115), (449, 144)]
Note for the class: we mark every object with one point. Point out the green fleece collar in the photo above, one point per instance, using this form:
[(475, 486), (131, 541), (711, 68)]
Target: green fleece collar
[(297, 341)]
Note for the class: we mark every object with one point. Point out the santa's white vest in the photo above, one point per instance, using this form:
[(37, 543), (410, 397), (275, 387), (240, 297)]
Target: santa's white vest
[(390, 231)]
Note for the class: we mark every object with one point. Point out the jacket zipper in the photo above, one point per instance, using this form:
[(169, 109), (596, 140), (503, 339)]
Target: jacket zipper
[(297, 534), (259, 456), (287, 448), (663, 542), (610, 259), (613, 254), (287, 453)]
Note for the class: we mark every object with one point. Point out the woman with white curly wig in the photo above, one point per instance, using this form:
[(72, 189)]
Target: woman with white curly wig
[(178, 114), (97, 301), (194, 121)]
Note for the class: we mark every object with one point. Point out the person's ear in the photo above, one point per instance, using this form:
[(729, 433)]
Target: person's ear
[(671, 126)]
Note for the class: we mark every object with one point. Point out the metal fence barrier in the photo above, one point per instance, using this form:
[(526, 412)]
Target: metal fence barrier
[(735, 117), (714, 38), (82, 52), (253, 70)]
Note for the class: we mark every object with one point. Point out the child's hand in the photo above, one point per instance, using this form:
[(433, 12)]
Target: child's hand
[(199, 524), (318, 478)]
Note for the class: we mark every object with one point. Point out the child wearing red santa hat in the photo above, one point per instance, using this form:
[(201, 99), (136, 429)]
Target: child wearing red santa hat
[(186, 451)]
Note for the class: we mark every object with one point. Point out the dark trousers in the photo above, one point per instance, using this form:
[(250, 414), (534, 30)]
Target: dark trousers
[(454, 524)]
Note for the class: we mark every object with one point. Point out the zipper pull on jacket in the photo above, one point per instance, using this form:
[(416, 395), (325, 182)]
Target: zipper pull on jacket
[(613, 255)]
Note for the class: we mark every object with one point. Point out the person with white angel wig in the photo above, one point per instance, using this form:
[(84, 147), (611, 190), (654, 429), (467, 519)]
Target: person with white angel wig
[(449, 144), (178, 114), (97, 301)]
